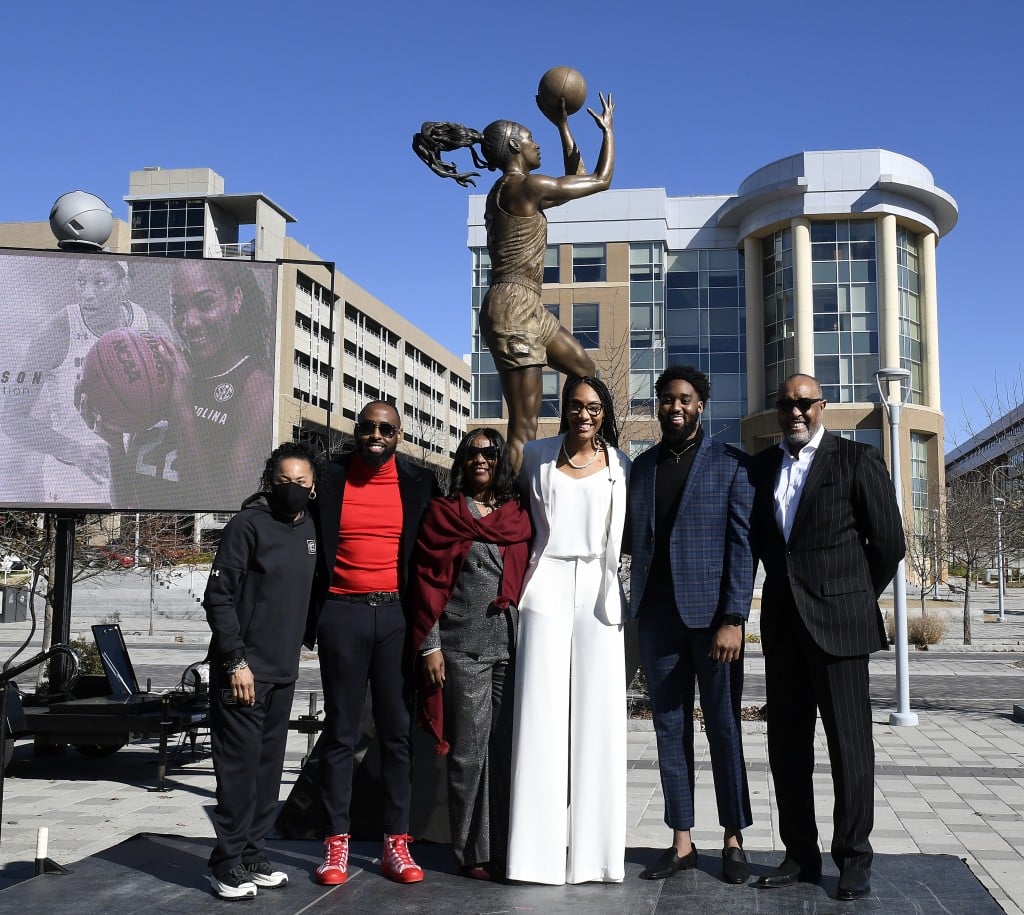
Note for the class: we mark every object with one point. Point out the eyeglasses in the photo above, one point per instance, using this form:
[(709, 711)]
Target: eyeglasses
[(488, 452), (803, 404), (576, 408), (369, 426)]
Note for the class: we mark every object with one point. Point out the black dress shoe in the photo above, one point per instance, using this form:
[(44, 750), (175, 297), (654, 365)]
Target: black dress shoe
[(854, 883), (787, 874), (734, 865), (669, 864)]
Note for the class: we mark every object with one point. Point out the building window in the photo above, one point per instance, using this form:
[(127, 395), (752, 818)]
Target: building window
[(589, 264), (549, 405), (872, 437), (168, 228), (555, 310), (638, 446), (646, 323), (845, 305), (778, 309), (705, 326), (909, 283), (551, 264), (485, 386), (585, 325)]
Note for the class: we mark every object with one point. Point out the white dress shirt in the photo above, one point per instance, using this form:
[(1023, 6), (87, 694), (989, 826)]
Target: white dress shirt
[(792, 475)]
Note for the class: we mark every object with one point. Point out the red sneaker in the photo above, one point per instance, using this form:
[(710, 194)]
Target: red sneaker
[(396, 863), (334, 870)]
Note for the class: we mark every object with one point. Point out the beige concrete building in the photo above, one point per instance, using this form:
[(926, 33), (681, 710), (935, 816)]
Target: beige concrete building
[(338, 346)]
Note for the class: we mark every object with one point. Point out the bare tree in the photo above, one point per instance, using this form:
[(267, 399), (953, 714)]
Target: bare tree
[(30, 536), (158, 541), (923, 536), (616, 363), (969, 527)]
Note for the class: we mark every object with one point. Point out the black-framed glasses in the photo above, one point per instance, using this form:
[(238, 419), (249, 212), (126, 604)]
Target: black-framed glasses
[(369, 426), (487, 452), (803, 404), (576, 408)]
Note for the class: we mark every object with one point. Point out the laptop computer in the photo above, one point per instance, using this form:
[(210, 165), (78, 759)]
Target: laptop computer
[(125, 694)]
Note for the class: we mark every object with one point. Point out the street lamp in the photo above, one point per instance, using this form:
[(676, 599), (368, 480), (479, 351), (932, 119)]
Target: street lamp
[(892, 407), (999, 503)]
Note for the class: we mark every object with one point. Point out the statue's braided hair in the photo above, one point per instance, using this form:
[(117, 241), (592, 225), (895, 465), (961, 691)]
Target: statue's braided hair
[(436, 137)]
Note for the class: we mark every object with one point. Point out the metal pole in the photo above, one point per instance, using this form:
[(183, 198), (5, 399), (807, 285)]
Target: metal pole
[(903, 714), (999, 563), (935, 554)]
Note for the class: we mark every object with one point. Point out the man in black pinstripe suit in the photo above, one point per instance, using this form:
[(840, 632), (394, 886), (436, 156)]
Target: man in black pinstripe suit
[(828, 530)]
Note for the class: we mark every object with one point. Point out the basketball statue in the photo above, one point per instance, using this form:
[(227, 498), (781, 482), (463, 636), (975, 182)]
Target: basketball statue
[(521, 334)]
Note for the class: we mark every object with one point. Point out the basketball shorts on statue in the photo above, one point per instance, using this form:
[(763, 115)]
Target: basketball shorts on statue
[(516, 327)]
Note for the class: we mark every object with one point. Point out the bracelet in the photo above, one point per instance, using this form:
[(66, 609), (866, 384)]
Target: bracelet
[(235, 666)]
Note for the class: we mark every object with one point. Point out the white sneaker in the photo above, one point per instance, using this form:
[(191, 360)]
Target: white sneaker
[(235, 884), (262, 874)]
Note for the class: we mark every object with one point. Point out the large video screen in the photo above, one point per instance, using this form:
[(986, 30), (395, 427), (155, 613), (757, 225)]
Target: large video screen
[(134, 383)]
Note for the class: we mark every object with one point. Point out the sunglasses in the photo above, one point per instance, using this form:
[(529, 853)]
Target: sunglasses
[(594, 409), (803, 404), (488, 452), (369, 426)]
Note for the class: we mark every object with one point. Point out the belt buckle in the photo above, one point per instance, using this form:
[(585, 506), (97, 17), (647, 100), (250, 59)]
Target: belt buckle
[(373, 599)]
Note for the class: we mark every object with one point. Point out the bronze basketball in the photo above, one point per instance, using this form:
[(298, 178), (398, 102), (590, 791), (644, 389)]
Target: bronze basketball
[(563, 82)]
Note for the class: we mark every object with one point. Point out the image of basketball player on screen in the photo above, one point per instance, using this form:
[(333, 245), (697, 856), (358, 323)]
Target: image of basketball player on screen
[(76, 466), (206, 453)]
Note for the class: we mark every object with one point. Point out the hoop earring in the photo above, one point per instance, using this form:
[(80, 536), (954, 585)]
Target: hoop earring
[(312, 493)]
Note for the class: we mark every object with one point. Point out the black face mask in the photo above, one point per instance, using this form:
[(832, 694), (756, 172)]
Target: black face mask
[(289, 498)]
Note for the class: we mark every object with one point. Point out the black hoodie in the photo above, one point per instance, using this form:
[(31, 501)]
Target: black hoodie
[(257, 595)]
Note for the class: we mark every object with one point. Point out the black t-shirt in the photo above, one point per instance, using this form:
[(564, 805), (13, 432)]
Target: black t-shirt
[(673, 469)]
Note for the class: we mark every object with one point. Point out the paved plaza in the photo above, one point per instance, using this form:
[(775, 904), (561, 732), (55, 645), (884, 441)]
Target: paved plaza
[(953, 785)]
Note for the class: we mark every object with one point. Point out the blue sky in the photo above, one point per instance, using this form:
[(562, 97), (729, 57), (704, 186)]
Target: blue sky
[(315, 104)]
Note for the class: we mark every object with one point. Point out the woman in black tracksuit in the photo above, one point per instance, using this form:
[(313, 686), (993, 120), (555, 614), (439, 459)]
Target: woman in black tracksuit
[(256, 604)]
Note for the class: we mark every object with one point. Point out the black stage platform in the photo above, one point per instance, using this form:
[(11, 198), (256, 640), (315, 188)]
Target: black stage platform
[(167, 874)]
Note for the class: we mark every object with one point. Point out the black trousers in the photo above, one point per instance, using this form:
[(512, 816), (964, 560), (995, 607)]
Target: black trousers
[(248, 755), (360, 644), (801, 679)]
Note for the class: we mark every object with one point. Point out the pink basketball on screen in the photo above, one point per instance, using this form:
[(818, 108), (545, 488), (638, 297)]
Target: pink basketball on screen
[(126, 380)]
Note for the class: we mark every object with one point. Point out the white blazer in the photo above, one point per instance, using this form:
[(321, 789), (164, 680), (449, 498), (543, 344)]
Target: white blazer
[(535, 481)]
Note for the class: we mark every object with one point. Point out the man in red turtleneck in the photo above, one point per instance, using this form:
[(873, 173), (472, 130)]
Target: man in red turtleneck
[(367, 517)]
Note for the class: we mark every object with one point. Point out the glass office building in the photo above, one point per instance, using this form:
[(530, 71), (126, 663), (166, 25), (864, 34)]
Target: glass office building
[(822, 263)]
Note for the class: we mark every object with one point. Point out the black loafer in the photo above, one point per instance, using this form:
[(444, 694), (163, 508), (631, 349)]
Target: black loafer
[(854, 883), (669, 864), (735, 868), (788, 873)]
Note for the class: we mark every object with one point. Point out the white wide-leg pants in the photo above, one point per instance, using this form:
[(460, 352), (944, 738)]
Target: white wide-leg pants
[(569, 737)]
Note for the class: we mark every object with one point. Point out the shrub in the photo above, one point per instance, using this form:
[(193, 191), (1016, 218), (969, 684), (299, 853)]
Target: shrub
[(89, 656), (922, 630)]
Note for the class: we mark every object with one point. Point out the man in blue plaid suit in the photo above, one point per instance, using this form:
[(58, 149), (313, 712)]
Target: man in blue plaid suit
[(691, 583)]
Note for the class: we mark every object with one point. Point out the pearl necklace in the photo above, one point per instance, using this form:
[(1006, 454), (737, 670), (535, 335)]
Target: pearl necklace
[(594, 457)]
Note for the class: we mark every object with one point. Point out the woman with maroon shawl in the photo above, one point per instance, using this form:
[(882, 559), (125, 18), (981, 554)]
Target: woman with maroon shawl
[(468, 573)]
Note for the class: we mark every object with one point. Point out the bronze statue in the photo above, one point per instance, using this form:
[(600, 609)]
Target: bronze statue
[(521, 334)]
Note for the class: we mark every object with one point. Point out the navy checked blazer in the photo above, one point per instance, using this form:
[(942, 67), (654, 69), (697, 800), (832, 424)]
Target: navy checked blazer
[(712, 565)]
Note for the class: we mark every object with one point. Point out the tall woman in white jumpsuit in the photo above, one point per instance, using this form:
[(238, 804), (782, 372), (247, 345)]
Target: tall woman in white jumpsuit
[(569, 736)]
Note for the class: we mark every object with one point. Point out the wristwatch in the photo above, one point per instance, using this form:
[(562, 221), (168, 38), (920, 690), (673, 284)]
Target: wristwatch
[(732, 619)]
